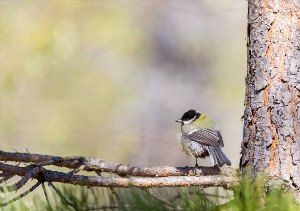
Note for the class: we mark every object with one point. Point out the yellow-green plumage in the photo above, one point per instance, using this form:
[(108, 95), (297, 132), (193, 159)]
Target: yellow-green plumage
[(203, 122)]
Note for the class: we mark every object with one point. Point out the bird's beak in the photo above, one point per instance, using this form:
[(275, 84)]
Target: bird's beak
[(178, 120)]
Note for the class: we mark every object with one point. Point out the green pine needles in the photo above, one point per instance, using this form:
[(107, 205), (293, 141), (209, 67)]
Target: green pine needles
[(247, 196)]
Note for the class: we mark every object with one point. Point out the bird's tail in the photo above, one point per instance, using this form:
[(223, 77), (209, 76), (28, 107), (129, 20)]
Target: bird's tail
[(218, 156)]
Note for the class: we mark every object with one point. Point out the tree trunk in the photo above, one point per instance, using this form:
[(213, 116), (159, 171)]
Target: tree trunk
[(271, 139)]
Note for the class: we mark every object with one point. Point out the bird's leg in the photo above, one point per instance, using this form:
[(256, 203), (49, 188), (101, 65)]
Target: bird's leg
[(196, 164)]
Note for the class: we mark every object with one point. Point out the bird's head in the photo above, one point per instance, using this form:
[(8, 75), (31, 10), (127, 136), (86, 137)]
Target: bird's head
[(189, 116)]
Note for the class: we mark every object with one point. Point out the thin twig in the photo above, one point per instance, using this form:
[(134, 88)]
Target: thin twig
[(29, 175), (21, 195), (62, 196), (46, 195), (78, 169)]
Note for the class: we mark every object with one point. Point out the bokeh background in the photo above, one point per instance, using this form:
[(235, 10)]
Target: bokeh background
[(108, 78)]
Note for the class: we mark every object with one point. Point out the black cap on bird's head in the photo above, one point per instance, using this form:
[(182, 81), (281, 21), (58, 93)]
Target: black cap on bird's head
[(189, 117)]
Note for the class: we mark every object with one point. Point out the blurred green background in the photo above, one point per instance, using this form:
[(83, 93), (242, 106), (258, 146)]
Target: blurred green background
[(108, 78)]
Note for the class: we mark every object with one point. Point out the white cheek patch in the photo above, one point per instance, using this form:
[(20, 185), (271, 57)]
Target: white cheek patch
[(189, 121)]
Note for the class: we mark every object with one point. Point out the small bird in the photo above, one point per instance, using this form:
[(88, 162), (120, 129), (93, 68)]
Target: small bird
[(200, 138)]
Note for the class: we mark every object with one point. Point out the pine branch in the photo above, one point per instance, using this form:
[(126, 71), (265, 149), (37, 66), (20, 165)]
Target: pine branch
[(98, 165), (45, 175), (33, 166), (39, 171)]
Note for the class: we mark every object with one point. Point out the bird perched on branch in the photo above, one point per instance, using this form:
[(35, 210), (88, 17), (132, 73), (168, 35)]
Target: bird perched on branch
[(200, 138)]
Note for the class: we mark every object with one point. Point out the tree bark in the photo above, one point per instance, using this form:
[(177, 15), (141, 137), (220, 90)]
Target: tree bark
[(271, 139)]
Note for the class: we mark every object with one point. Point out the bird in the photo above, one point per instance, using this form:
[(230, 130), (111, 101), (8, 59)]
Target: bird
[(200, 138)]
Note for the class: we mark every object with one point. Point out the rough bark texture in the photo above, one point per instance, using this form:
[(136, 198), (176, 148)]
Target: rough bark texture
[(272, 115)]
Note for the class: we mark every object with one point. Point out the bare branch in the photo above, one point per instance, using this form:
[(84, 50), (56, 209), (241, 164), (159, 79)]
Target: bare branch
[(141, 182), (98, 165), (139, 177)]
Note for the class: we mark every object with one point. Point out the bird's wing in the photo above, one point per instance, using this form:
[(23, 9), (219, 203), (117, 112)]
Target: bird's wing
[(206, 136)]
